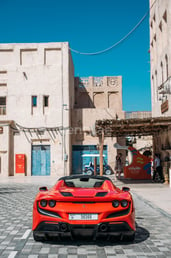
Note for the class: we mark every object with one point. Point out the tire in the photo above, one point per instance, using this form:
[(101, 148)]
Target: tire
[(38, 238), (89, 172), (108, 172)]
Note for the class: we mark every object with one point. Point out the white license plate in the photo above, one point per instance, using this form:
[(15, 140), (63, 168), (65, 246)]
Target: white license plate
[(83, 216)]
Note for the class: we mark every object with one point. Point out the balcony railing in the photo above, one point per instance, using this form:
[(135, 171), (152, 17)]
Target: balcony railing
[(2, 109), (165, 89)]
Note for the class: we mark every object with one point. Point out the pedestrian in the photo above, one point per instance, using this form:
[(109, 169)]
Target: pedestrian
[(118, 165), (157, 170)]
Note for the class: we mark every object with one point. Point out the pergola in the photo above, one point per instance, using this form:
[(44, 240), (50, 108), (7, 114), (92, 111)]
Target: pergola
[(129, 127)]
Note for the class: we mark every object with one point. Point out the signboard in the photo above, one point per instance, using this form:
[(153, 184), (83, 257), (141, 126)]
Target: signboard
[(164, 106), (140, 168)]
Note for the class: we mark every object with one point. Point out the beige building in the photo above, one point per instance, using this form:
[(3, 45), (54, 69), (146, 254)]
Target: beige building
[(95, 98), (47, 116), (160, 54), (36, 81), (6, 148)]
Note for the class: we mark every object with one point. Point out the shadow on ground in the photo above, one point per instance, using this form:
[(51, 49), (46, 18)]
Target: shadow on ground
[(135, 181)]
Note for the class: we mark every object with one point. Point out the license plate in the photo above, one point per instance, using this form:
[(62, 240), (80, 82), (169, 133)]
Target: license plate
[(83, 216)]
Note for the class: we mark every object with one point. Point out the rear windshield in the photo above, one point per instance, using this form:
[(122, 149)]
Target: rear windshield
[(84, 182)]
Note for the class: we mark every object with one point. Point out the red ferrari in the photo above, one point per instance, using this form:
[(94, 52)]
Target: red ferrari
[(83, 205)]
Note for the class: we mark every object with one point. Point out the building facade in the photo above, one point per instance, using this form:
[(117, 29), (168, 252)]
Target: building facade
[(95, 98), (160, 55), (36, 81), (47, 116), (141, 143)]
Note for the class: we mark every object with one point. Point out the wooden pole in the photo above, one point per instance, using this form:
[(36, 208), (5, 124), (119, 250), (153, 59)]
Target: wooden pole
[(101, 153), (95, 166)]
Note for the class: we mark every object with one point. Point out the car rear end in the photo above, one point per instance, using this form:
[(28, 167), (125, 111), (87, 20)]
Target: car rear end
[(84, 211)]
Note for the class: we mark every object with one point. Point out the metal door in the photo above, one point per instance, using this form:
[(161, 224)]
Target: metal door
[(40, 160)]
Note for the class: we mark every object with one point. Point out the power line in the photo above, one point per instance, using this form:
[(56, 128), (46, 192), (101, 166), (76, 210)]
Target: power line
[(118, 42)]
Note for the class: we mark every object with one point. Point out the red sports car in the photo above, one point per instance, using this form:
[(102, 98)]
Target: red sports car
[(83, 205)]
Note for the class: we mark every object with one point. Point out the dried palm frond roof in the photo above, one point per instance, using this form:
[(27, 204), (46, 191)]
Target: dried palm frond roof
[(132, 127)]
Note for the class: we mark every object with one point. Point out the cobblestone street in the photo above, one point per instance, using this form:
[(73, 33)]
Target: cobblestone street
[(152, 236)]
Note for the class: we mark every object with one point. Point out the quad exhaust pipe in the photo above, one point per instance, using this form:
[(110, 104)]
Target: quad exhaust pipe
[(63, 227), (103, 227)]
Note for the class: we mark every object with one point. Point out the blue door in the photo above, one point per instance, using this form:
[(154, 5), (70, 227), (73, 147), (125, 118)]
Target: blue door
[(77, 162), (40, 160)]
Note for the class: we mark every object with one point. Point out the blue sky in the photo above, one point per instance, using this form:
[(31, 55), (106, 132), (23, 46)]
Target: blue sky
[(89, 26)]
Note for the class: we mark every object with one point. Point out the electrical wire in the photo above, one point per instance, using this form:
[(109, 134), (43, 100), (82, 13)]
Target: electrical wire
[(41, 128), (118, 42)]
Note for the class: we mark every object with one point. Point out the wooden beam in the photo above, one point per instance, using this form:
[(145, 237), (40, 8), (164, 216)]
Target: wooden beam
[(101, 152)]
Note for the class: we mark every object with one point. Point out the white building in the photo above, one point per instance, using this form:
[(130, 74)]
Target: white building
[(36, 81), (160, 53)]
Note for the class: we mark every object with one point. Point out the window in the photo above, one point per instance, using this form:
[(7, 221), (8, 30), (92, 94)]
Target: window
[(154, 17), (162, 79), (3, 78), (160, 26), (167, 68), (46, 101), (165, 16), (34, 101), (151, 24), (2, 105)]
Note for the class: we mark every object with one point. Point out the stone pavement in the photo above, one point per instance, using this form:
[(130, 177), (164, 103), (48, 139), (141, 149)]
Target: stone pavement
[(16, 240), (156, 194)]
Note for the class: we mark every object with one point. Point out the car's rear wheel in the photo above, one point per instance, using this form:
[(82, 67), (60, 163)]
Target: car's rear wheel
[(108, 172), (89, 172), (38, 238)]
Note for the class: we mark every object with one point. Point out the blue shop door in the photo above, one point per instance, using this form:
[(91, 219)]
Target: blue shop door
[(79, 161), (76, 162), (41, 160)]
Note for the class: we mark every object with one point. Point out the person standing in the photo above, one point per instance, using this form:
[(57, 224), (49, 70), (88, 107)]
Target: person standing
[(118, 165), (157, 169)]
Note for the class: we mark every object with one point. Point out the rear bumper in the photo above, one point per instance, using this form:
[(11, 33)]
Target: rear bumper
[(55, 229)]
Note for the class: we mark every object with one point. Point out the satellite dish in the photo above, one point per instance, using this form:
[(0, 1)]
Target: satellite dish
[(118, 146)]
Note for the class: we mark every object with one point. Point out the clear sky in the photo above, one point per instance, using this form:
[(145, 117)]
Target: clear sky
[(89, 26)]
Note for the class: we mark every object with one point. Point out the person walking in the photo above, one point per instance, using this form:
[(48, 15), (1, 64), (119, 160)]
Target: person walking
[(157, 169)]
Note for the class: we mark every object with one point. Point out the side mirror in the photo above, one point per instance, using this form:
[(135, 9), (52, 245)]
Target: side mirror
[(125, 189), (43, 188)]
